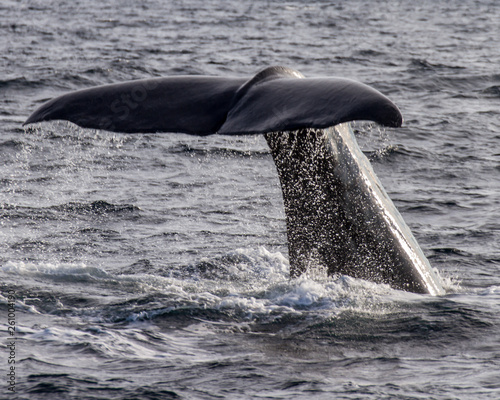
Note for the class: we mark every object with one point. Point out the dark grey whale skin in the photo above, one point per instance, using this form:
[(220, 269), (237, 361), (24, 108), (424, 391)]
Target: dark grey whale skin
[(338, 215)]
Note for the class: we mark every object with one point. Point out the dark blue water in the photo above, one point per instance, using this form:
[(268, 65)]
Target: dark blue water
[(155, 266)]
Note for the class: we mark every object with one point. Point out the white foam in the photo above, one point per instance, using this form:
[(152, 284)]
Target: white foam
[(26, 268), (259, 287)]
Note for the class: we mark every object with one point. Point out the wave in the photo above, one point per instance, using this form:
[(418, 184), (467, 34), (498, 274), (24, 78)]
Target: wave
[(426, 65), (197, 314), (244, 286), (95, 207), (66, 210), (223, 152), (11, 144), (492, 91), (63, 82), (20, 82)]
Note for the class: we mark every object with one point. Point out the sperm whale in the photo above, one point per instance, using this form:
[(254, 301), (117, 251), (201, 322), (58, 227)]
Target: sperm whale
[(338, 215)]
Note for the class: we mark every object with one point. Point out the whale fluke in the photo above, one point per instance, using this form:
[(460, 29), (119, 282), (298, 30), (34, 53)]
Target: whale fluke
[(275, 99), (338, 214)]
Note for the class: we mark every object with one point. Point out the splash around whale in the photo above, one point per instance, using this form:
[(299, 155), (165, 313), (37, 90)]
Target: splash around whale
[(338, 215)]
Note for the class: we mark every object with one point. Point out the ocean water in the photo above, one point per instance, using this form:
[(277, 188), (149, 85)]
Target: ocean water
[(156, 267)]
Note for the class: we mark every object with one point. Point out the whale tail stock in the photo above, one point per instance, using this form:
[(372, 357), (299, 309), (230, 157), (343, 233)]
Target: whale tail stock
[(338, 214)]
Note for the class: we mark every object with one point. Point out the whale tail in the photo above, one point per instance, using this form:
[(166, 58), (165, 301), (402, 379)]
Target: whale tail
[(338, 214)]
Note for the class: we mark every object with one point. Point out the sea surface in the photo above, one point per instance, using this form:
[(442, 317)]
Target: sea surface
[(156, 267)]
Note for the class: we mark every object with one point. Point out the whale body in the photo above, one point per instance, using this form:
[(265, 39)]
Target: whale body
[(338, 215)]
